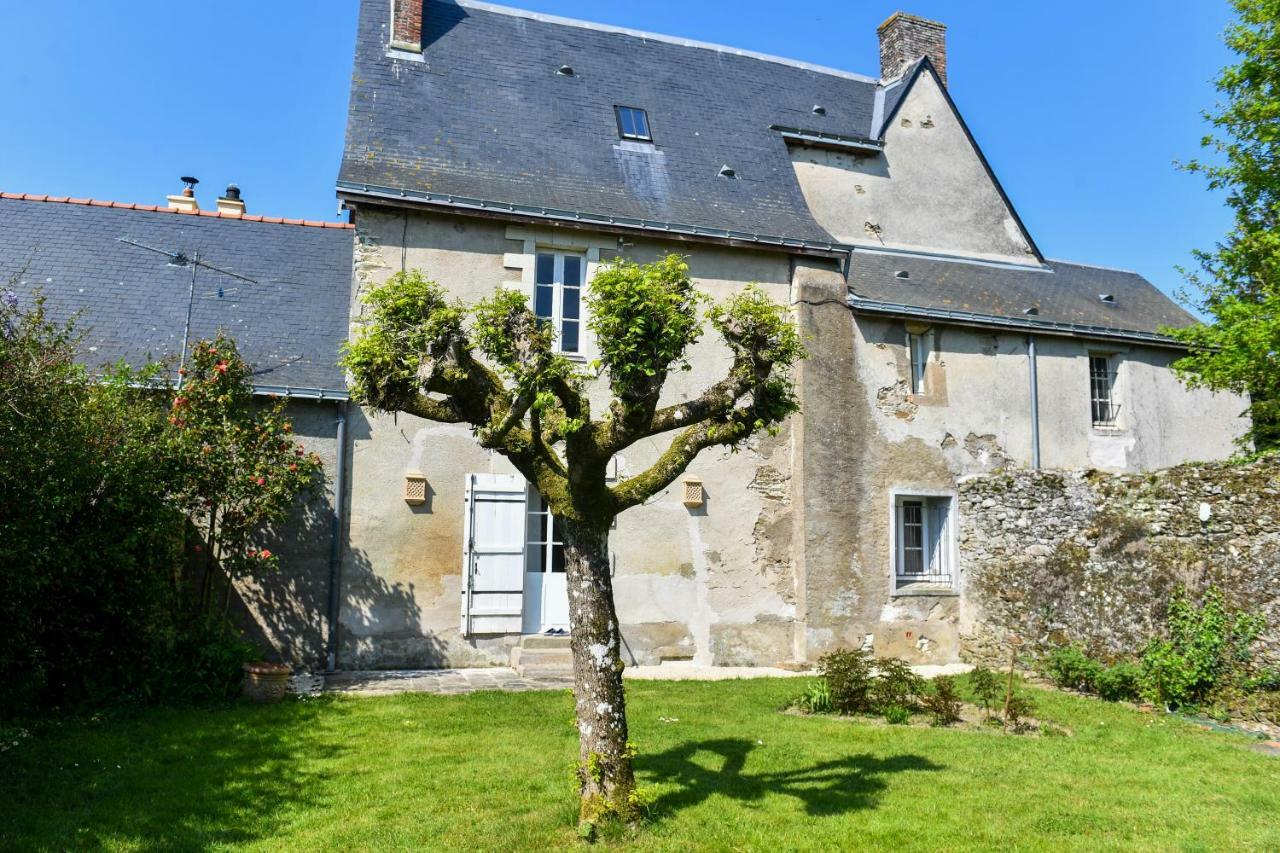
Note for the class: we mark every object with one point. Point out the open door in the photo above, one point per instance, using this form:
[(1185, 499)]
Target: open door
[(493, 554)]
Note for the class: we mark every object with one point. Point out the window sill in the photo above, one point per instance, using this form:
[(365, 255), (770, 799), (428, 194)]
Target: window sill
[(1108, 430), (924, 590)]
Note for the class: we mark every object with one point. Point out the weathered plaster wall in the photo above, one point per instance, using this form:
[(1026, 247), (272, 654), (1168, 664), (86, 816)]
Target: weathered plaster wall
[(715, 584), (1091, 558), (927, 190), (975, 411)]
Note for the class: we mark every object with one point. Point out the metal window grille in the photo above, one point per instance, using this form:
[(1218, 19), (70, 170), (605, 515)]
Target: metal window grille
[(1102, 380), (924, 548)]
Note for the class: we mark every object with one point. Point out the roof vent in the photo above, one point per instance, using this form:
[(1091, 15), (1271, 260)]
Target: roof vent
[(186, 200), (565, 71), (819, 110), (727, 172), (1107, 298), (903, 274), (1032, 312)]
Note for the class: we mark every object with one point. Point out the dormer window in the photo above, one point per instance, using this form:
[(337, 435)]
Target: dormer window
[(633, 123)]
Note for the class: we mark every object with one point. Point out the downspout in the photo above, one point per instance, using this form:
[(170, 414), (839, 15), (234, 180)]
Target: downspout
[(335, 539), (1035, 403)]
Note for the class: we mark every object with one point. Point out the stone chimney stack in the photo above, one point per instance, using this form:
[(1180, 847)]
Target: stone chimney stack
[(406, 25), (231, 203), (905, 38)]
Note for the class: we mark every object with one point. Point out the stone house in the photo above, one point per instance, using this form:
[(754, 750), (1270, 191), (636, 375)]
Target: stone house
[(496, 148)]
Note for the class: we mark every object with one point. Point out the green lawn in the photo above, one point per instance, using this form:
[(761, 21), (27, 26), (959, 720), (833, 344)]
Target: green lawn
[(491, 771)]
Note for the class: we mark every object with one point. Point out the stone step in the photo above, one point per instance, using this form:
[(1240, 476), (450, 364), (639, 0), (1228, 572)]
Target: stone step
[(544, 641), (539, 661)]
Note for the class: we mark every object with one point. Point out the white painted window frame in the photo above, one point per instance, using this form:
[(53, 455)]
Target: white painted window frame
[(926, 584), (919, 348), (557, 318)]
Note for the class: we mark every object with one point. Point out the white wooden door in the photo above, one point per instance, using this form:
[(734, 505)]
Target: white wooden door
[(493, 554), (546, 591)]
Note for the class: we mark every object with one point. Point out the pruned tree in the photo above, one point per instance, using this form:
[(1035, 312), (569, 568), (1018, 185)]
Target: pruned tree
[(494, 366)]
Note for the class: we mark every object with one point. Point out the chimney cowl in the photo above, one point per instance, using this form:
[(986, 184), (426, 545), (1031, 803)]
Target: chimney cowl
[(185, 200), (230, 202), (905, 38)]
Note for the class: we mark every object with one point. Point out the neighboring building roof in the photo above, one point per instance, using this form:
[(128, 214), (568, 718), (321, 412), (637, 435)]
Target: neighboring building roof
[(485, 118), (289, 325), (1066, 297)]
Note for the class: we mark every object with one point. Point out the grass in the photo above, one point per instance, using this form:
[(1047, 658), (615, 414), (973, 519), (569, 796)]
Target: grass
[(491, 771)]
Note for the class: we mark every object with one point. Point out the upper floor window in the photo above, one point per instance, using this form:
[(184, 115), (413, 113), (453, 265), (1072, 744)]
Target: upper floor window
[(557, 296), (633, 123), (923, 540), (1102, 386), (918, 346)]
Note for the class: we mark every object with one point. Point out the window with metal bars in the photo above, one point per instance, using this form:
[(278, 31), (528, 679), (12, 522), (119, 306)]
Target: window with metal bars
[(1102, 383), (923, 541), (557, 296)]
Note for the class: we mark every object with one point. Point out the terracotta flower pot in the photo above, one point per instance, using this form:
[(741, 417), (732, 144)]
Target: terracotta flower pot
[(266, 682)]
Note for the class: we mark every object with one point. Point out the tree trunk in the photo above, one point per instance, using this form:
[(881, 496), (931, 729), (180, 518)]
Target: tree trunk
[(605, 756)]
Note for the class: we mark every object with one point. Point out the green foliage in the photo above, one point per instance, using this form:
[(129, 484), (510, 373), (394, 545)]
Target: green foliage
[(1017, 708), (896, 715), (1239, 280), (101, 486), (848, 676), (1071, 669), (1207, 648), (1120, 682), (986, 686), (235, 469), (896, 685), (644, 317), (409, 320), (816, 699), (943, 701)]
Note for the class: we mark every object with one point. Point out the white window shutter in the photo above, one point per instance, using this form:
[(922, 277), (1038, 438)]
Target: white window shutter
[(493, 554)]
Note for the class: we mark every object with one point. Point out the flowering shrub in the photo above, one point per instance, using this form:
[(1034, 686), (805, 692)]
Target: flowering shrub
[(103, 491), (236, 468)]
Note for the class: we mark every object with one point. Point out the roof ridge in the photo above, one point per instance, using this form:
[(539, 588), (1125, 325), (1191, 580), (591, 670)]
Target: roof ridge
[(651, 36), (152, 208), (1093, 266)]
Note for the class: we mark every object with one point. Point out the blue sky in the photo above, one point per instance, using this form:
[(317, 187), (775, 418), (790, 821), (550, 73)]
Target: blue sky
[(1081, 108)]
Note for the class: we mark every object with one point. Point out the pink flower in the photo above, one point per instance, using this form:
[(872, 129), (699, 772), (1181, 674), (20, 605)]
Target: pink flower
[(266, 554), (262, 481)]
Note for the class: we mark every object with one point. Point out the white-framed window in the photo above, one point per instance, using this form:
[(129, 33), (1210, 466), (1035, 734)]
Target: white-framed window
[(918, 348), (1102, 390), (923, 540), (544, 544), (557, 296)]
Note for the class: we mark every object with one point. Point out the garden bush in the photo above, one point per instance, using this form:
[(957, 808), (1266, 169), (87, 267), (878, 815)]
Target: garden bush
[(1071, 669), (943, 701), (848, 674), (1207, 649), (895, 685), (1120, 682), (96, 534)]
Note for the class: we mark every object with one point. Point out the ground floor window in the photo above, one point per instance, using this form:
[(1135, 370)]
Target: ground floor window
[(924, 550), (544, 545)]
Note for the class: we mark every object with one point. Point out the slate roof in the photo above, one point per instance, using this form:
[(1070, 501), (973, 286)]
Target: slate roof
[(485, 116), (289, 325), (1066, 295), (482, 121)]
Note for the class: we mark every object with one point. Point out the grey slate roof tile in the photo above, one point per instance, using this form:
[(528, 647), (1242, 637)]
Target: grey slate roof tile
[(1064, 293), (289, 325)]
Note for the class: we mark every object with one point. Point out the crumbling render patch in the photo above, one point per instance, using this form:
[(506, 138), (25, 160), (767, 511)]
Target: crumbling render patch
[(986, 449), (895, 400)]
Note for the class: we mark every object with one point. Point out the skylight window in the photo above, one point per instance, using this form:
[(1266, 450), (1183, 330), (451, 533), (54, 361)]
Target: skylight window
[(633, 123)]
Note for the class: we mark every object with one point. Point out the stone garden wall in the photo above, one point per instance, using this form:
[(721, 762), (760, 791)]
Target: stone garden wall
[(1055, 557)]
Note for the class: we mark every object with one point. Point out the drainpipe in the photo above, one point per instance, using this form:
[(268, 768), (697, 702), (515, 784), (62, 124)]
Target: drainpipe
[(335, 539), (1035, 403)]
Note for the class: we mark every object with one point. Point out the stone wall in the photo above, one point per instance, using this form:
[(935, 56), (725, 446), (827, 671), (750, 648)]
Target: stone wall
[(1084, 557)]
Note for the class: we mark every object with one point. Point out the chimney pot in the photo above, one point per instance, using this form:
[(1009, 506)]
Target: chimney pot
[(230, 202), (406, 25), (905, 38), (185, 200)]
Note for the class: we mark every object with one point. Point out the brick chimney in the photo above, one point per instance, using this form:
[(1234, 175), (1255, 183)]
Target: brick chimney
[(406, 25), (905, 38)]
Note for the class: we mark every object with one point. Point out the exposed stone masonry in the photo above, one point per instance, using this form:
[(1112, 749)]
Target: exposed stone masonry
[(905, 38), (1091, 558)]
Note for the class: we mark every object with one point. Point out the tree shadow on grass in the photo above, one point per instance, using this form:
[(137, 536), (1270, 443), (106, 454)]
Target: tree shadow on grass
[(830, 787), (170, 779)]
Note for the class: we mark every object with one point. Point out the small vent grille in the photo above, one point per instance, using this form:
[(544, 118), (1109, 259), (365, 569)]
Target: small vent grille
[(415, 488), (693, 496)]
